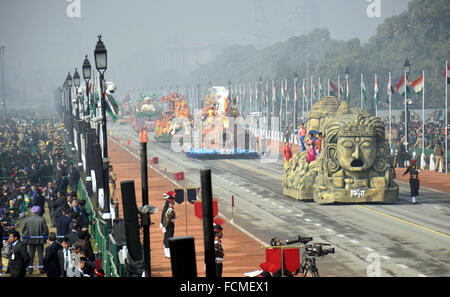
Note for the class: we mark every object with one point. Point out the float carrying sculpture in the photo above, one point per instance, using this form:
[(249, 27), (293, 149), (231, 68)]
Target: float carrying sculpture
[(353, 165)]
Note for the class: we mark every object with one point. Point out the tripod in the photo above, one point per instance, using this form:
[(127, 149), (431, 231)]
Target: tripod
[(309, 265)]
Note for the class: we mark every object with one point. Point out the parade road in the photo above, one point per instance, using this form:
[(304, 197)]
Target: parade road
[(398, 239)]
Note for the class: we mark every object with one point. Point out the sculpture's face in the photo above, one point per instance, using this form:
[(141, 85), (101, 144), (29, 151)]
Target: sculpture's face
[(356, 153)]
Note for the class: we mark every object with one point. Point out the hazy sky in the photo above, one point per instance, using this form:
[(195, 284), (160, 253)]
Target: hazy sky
[(146, 37)]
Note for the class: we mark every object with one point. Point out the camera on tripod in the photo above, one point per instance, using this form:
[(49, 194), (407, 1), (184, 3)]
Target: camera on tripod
[(318, 250)]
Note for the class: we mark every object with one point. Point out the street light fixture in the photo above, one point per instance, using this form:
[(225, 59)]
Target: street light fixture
[(100, 55), (86, 69), (76, 79), (69, 80), (407, 66)]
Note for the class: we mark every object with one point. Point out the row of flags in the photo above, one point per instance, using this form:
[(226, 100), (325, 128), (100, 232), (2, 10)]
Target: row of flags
[(340, 91)]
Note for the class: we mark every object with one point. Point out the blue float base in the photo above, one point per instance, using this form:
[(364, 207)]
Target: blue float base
[(218, 154)]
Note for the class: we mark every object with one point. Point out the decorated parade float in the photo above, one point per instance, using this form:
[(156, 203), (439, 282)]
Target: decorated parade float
[(217, 131), (173, 119), (146, 114), (353, 163)]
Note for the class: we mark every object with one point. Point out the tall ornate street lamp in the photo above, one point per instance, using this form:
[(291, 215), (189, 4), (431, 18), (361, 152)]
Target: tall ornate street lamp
[(77, 83), (87, 77), (100, 55), (69, 111)]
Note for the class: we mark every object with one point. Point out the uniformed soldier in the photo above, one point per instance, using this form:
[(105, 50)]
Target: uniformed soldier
[(168, 220), (414, 181)]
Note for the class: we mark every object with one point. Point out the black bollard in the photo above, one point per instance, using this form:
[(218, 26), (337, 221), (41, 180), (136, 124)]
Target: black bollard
[(208, 231), (145, 217), (130, 214), (182, 257)]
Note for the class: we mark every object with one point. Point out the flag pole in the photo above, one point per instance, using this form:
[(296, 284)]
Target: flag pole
[(303, 100), (376, 101), (423, 119), (281, 106), (406, 113), (390, 112), (361, 87), (328, 87), (286, 96), (295, 105), (446, 117), (339, 86)]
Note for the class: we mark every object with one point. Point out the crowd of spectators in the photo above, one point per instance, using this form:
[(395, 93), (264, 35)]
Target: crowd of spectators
[(35, 176)]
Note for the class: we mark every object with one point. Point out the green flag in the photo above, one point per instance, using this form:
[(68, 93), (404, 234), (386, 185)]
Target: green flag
[(111, 106)]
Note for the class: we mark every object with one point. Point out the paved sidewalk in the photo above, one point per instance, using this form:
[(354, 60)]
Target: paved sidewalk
[(242, 254)]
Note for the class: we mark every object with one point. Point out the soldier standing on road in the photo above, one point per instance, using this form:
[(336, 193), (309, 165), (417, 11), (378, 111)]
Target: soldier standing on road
[(413, 171), (167, 220), (439, 157)]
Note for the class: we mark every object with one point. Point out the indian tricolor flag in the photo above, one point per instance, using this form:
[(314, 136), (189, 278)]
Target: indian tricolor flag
[(401, 86), (447, 73), (417, 85), (111, 106)]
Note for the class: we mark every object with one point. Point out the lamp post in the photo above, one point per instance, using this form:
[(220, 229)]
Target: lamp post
[(100, 55), (87, 77), (407, 66), (64, 104), (76, 82), (69, 110)]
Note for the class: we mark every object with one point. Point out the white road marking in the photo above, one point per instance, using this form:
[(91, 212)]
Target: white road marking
[(385, 257), (329, 230), (421, 275), (308, 220), (341, 235), (317, 225), (369, 249), (402, 266), (354, 241)]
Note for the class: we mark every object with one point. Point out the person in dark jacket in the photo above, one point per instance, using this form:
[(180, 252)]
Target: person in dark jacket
[(35, 225), (18, 258), (64, 223), (57, 205), (73, 178), (33, 175), (52, 266), (58, 175)]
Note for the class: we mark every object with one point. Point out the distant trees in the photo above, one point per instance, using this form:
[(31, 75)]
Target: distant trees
[(421, 34)]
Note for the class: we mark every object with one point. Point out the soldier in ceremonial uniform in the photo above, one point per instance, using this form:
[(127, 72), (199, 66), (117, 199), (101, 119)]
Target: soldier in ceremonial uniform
[(167, 220), (414, 181)]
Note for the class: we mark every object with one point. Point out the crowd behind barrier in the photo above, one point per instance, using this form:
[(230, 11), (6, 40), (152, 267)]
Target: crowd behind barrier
[(37, 176)]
